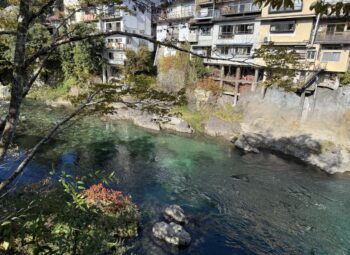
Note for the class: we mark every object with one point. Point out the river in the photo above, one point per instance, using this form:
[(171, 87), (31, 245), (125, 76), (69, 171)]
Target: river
[(238, 203)]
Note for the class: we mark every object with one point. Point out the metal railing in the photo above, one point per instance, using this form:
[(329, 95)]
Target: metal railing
[(226, 35), (205, 13), (239, 9), (115, 46), (337, 37)]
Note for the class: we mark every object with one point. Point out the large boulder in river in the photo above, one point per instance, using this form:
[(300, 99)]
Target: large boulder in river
[(176, 213), (171, 233)]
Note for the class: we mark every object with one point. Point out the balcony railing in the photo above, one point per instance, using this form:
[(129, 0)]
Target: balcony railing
[(205, 13), (176, 15), (102, 15), (239, 9), (226, 35), (115, 46), (335, 38), (204, 1)]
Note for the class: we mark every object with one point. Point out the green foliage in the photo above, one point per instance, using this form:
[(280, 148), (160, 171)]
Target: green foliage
[(280, 65), (344, 78), (138, 62), (61, 221), (194, 118), (82, 59)]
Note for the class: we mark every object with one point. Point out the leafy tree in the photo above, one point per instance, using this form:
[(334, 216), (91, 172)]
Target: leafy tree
[(280, 63), (138, 61), (344, 78)]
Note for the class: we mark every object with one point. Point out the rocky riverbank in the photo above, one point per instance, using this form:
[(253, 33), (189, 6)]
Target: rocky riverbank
[(321, 138)]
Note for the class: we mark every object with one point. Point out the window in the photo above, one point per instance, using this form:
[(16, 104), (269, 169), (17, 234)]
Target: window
[(118, 26), (283, 27), (226, 31), (109, 26), (111, 55), (331, 57), (340, 28), (311, 54), (244, 29), (298, 6), (205, 31), (225, 50), (242, 50)]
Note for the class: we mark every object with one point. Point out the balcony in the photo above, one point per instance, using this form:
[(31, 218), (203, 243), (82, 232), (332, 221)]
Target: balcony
[(336, 38), (205, 13), (172, 36), (183, 14), (111, 14), (115, 46), (201, 2), (239, 9)]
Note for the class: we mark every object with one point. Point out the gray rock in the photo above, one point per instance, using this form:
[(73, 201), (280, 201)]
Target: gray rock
[(177, 124), (176, 213), (171, 233), (217, 127), (327, 156), (146, 121)]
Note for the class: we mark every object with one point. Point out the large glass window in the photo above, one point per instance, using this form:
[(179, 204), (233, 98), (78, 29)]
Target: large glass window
[(297, 6), (226, 31), (331, 56), (283, 27)]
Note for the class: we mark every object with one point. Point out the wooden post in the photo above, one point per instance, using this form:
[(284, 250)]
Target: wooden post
[(255, 83), (238, 76), (222, 73)]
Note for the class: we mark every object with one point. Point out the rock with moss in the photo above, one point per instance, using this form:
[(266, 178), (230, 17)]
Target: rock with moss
[(215, 126)]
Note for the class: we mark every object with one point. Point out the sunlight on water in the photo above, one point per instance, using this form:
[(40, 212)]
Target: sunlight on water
[(238, 204)]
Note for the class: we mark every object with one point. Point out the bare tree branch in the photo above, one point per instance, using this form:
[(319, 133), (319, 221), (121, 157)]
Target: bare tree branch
[(77, 38), (50, 134), (8, 32), (46, 7)]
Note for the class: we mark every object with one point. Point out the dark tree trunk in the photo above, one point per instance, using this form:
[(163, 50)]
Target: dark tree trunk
[(20, 77)]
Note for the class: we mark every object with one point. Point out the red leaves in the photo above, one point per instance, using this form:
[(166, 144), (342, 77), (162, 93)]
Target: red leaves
[(107, 200)]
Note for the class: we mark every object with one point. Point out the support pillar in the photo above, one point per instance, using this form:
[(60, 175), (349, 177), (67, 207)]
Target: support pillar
[(104, 74), (301, 105), (222, 74), (256, 77), (238, 77)]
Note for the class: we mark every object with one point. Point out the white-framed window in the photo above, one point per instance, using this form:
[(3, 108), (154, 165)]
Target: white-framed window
[(226, 31), (311, 54), (110, 55), (331, 56), (244, 29)]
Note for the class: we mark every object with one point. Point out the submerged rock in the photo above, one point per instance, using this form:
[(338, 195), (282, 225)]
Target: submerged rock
[(171, 233), (176, 213)]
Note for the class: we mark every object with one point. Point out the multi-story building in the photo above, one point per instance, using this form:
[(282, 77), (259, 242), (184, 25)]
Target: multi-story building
[(172, 23), (135, 17), (227, 31)]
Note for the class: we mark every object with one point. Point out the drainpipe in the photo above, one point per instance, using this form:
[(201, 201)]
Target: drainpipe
[(314, 33)]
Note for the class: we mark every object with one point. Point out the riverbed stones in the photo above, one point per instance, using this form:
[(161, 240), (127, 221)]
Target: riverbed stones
[(176, 213), (171, 233)]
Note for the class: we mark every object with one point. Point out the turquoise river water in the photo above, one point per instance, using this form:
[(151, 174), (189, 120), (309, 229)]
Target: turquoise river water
[(238, 203)]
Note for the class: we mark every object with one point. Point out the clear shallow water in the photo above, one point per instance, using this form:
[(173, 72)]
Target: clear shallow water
[(238, 204)]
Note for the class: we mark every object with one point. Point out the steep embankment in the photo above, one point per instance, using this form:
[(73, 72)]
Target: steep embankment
[(321, 138)]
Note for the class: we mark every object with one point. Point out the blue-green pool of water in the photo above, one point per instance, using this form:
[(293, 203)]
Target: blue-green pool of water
[(238, 203)]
